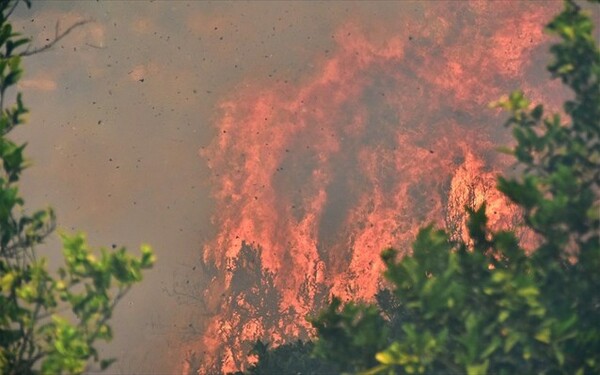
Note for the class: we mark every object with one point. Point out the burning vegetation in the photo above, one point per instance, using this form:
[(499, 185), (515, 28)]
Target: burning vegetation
[(313, 178)]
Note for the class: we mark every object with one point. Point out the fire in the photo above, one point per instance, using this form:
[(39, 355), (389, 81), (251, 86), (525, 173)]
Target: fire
[(312, 180)]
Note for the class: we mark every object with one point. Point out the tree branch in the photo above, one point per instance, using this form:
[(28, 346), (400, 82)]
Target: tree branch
[(12, 9), (57, 37)]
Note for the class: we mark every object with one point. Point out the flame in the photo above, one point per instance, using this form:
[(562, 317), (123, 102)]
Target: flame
[(313, 179)]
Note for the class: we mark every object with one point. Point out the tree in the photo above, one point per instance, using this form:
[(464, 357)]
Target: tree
[(49, 322), (487, 306)]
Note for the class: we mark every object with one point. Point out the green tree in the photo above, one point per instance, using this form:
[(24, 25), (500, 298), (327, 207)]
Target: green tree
[(488, 307), (50, 322)]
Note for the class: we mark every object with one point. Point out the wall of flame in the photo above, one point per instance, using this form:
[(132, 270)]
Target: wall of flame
[(389, 131)]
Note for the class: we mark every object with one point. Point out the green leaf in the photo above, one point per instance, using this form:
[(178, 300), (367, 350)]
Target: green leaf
[(543, 335), (511, 340), (504, 314), (385, 358), (529, 291), (478, 369)]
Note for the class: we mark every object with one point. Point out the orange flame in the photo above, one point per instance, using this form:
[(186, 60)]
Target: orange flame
[(313, 180)]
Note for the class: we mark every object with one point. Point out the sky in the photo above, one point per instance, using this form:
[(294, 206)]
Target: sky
[(124, 108)]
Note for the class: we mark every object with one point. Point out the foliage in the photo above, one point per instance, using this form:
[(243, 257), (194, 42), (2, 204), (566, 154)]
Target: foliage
[(49, 323), (350, 335), (487, 307)]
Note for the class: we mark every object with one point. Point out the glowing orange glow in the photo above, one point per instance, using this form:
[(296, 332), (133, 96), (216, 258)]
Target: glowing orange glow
[(312, 180)]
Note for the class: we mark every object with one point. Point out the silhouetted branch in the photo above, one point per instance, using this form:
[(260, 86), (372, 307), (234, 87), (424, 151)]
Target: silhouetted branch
[(58, 36), (12, 9)]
